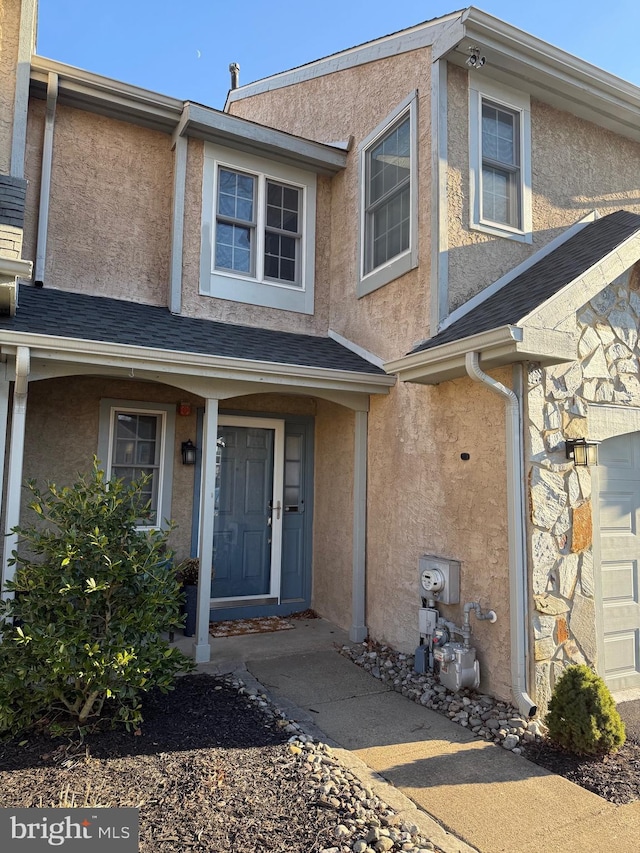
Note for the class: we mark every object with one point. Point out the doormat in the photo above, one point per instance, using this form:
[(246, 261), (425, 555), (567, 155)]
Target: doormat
[(237, 627)]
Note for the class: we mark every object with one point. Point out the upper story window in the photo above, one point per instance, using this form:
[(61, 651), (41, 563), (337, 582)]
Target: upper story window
[(261, 220), (135, 440), (388, 177), (500, 160)]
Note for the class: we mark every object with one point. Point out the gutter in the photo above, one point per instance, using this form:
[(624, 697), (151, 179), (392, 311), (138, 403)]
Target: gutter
[(517, 548)]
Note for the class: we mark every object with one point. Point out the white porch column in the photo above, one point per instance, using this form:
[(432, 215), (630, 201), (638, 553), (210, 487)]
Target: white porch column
[(16, 458), (201, 646), (358, 631)]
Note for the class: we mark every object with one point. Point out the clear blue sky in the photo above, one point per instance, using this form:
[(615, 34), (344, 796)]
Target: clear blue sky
[(184, 48)]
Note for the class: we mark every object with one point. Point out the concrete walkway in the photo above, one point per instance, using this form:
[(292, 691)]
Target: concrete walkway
[(490, 799)]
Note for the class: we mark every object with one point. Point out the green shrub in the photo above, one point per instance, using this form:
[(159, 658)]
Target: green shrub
[(582, 715), (93, 597)]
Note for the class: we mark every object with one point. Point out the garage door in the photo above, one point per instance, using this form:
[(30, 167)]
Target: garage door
[(619, 525)]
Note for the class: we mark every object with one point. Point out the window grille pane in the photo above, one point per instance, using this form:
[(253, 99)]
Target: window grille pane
[(280, 257), (388, 215), (136, 453), (233, 247), (500, 147)]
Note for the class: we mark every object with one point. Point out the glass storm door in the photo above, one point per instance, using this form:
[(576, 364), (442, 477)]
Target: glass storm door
[(247, 541)]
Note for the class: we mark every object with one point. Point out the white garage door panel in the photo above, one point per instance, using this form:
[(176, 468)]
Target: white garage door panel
[(619, 514), (621, 654)]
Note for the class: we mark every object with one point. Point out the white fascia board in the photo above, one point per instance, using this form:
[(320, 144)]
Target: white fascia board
[(483, 295), (554, 76), (103, 95), (355, 348), (51, 347), (497, 347), (394, 44), (569, 299), (244, 135)]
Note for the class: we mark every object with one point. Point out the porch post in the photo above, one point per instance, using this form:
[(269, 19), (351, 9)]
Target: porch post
[(358, 631), (201, 646), (16, 459)]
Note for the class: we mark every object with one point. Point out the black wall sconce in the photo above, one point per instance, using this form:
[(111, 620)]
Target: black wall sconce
[(582, 452), (188, 452)]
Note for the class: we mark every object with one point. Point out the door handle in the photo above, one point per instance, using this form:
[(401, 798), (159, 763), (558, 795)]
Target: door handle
[(277, 509)]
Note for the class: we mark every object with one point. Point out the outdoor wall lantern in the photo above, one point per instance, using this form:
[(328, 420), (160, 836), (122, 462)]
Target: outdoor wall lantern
[(188, 452), (582, 452)]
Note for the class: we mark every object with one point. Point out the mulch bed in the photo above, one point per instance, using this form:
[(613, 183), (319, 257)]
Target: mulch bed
[(208, 772), (614, 777)]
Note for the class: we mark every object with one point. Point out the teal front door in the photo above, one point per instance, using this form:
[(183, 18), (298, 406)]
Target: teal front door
[(247, 544)]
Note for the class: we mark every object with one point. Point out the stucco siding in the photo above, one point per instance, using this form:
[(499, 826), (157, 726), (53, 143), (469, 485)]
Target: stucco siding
[(333, 515), (9, 37), (576, 167), (424, 499), (110, 212), (353, 102), (62, 437)]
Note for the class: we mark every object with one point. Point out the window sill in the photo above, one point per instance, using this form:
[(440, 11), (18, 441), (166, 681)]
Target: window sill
[(250, 291), (506, 232), (387, 273)]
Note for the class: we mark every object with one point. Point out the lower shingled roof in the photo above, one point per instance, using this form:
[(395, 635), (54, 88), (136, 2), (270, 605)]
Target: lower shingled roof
[(534, 286), (101, 319)]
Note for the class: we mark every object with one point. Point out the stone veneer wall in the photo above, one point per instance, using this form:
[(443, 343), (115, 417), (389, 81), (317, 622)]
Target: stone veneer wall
[(560, 533)]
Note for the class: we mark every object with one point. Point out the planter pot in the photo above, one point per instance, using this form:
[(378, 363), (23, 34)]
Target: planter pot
[(190, 609)]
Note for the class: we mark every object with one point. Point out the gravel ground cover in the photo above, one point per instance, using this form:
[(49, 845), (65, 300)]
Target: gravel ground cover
[(615, 777), (213, 768)]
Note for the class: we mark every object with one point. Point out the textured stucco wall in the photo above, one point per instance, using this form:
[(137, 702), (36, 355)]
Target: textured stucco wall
[(110, 211), (33, 173), (354, 102), (333, 513), (559, 401), (9, 37), (212, 308), (576, 167), (62, 436), (424, 499)]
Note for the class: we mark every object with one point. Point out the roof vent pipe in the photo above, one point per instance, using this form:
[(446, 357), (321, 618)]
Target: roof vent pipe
[(234, 69)]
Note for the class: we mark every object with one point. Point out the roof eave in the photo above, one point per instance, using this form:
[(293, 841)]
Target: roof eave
[(554, 76), (161, 361), (244, 135), (497, 347)]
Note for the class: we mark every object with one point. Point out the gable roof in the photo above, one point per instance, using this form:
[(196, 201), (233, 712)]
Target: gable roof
[(521, 320), (62, 315), (529, 290)]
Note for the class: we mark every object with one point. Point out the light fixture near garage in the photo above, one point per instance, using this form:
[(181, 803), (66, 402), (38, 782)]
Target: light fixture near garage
[(582, 452), (188, 452)]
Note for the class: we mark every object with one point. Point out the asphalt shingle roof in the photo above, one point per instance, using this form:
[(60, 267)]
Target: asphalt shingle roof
[(537, 284), (99, 318)]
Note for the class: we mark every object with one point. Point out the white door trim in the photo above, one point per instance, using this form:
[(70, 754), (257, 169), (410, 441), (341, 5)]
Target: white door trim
[(277, 425)]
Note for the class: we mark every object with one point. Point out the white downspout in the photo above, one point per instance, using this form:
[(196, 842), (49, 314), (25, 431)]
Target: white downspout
[(517, 547)]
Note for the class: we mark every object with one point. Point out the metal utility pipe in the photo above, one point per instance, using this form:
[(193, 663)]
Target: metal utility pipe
[(517, 546)]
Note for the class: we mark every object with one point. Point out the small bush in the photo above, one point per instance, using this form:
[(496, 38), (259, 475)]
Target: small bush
[(582, 715), (93, 597)]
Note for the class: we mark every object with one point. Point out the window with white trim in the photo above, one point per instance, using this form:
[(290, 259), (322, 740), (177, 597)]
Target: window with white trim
[(259, 218), (135, 440), (500, 160), (388, 176)]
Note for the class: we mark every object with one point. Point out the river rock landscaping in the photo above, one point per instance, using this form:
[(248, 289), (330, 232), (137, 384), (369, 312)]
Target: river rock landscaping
[(214, 767)]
